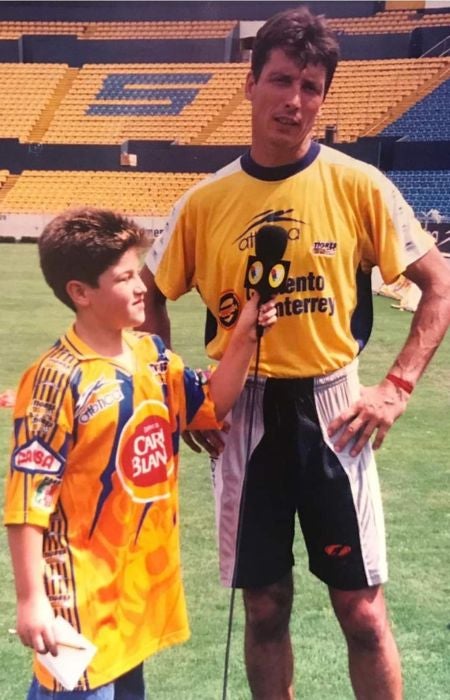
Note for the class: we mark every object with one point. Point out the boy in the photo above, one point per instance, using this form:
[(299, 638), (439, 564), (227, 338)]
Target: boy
[(92, 500)]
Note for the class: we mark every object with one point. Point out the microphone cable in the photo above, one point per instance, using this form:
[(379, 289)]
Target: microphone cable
[(259, 333)]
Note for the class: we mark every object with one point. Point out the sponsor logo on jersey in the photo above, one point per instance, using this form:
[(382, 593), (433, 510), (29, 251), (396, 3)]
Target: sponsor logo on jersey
[(324, 248), (293, 226), (144, 460), (35, 457), (42, 416), (43, 495), (229, 308), (97, 397)]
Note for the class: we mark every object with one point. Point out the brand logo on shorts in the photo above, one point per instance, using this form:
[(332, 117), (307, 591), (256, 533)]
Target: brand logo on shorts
[(337, 550)]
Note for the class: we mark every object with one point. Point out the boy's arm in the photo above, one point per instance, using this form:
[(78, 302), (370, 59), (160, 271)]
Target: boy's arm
[(34, 613), (228, 380)]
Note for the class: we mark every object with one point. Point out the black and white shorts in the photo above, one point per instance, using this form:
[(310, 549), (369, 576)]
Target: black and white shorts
[(293, 469)]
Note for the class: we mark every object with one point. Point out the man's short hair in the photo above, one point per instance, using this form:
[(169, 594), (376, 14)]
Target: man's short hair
[(80, 244), (304, 37)]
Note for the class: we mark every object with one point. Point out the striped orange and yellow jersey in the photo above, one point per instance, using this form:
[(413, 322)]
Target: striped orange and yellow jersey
[(341, 217), (95, 463)]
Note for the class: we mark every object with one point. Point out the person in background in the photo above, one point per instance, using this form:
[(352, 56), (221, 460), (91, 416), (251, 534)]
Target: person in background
[(92, 491), (315, 426)]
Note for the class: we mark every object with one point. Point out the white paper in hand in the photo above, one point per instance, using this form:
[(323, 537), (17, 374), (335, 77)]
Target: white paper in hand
[(69, 665)]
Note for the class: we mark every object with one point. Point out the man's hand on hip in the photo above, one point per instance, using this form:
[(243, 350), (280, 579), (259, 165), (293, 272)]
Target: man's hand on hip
[(375, 412)]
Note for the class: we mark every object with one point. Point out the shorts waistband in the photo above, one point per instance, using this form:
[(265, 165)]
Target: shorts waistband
[(320, 382)]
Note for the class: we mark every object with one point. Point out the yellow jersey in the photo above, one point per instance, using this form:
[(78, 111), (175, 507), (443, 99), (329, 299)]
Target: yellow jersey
[(95, 463), (341, 217)]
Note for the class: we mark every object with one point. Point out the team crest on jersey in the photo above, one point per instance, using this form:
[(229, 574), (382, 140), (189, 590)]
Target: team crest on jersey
[(145, 459), (97, 397), (327, 248), (229, 308), (43, 495), (36, 457)]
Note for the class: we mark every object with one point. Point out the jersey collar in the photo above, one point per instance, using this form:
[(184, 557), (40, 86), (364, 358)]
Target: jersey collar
[(82, 351), (280, 172)]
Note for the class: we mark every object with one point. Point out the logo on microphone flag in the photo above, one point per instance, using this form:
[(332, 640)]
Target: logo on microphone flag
[(266, 271)]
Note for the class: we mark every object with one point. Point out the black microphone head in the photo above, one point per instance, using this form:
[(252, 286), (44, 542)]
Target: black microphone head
[(266, 271), (270, 242)]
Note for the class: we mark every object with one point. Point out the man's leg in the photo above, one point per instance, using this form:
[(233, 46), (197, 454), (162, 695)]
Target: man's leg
[(374, 661), (268, 651)]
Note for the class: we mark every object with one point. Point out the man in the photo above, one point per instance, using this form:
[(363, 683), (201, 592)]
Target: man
[(311, 451)]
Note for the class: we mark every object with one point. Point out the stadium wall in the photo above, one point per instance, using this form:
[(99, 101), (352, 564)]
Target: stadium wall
[(75, 52), (28, 227), (387, 153), (373, 46), (174, 10)]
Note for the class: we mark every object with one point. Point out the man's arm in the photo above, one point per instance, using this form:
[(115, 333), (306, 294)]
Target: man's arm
[(379, 406), (34, 613), (156, 316)]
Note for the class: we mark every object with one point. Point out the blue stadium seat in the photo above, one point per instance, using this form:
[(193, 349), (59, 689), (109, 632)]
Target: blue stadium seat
[(424, 121)]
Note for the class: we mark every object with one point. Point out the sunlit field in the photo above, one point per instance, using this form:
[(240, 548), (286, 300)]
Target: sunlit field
[(414, 468)]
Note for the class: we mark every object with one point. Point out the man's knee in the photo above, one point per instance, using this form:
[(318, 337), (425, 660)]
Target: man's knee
[(363, 618), (268, 609)]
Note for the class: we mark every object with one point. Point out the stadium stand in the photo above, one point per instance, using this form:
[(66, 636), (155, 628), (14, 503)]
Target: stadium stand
[(137, 194), (67, 105), (107, 104), (424, 120), (425, 190), (26, 90), (159, 30), (393, 21), (362, 93), (191, 103), (397, 22), (121, 30)]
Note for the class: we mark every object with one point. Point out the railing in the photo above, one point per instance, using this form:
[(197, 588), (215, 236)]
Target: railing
[(436, 51)]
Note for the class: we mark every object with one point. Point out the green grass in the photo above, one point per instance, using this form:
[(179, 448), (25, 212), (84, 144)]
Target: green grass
[(414, 470)]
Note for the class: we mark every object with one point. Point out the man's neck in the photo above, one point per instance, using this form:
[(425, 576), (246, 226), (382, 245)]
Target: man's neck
[(270, 156)]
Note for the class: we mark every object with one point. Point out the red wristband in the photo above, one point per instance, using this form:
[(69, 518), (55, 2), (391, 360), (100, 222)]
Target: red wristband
[(401, 383)]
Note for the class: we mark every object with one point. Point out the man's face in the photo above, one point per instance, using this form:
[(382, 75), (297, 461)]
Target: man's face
[(286, 100)]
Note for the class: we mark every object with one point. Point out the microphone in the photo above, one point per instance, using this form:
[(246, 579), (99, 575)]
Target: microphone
[(266, 271)]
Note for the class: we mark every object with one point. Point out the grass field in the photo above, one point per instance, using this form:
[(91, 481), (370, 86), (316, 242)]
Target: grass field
[(415, 475)]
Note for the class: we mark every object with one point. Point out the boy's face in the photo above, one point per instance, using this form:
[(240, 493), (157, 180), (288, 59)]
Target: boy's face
[(118, 300)]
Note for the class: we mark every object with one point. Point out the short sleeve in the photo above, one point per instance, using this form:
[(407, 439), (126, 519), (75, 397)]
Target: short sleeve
[(43, 418)]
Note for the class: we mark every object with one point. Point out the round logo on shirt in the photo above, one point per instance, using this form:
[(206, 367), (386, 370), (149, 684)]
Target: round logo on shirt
[(144, 454), (229, 308)]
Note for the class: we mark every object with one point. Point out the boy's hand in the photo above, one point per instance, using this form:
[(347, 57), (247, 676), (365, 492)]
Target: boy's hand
[(255, 314), (35, 619)]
